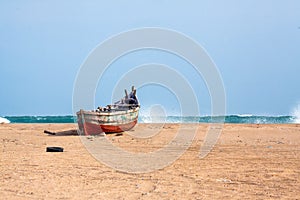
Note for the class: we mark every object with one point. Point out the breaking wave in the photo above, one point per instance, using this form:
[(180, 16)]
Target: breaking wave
[(4, 121), (296, 114)]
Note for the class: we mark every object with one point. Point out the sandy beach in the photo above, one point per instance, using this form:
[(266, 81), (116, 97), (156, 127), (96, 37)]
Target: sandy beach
[(248, 162)]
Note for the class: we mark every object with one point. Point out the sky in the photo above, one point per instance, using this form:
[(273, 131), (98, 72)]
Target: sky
[(254, 44)]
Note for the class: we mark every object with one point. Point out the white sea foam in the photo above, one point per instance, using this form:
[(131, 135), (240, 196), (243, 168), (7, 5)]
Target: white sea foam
[(4, 121), (244, 115), (296, 114)]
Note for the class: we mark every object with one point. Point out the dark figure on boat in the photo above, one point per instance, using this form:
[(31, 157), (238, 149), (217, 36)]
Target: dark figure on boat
[(128, 102), (130, 99)]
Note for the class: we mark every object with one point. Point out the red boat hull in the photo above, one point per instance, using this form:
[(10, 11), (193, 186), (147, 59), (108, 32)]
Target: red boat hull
[(119, 128), (94, 129)]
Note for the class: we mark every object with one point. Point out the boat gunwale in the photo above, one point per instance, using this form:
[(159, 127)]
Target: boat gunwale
[(108, 113)]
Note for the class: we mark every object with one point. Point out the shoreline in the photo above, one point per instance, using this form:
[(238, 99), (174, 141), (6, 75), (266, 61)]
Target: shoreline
[(248, 161), (234, 119), (185, 123)]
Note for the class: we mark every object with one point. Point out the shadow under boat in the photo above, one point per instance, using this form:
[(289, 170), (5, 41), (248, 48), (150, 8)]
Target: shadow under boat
[(72, 132)]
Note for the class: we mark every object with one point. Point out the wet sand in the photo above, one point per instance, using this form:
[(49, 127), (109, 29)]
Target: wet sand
[(248, 161)]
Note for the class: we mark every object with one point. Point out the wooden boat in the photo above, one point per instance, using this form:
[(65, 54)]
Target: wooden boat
[(119, 117)]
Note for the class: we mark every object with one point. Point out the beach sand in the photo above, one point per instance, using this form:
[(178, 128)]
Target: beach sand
[(248, 161)]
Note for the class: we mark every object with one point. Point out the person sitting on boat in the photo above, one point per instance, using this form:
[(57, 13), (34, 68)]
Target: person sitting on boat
[(128, 99), (131, 98)]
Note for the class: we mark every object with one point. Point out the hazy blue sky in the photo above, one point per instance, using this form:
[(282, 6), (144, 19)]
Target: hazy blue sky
[(255, 44)]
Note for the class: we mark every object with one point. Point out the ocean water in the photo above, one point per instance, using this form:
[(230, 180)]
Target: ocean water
[(237, 119)]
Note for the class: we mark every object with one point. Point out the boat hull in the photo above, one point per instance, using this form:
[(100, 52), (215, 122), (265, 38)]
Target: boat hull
[(95, 123)]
